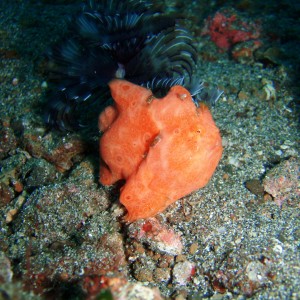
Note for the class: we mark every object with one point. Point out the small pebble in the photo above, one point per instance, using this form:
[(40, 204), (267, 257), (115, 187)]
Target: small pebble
[(10, 215), (255, 187), (242, 95), (180, 258), (182, 272), (144, 275), (162, 275), (193, 248), (44, 84), (15, 81)]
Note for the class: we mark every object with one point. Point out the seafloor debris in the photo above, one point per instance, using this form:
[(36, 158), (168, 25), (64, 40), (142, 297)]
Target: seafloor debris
[(157, 236), (227, 28), (60, 152), (6, 273), (255, 187), (283, 181), (183, 271), (268, 89), (8, 140), (117, 288)]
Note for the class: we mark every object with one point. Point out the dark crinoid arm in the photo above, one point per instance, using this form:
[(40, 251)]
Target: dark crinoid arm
[(78, 76), (167, 59), (116, 39)]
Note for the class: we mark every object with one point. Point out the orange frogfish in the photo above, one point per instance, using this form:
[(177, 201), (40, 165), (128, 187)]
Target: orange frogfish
[(163, 148)]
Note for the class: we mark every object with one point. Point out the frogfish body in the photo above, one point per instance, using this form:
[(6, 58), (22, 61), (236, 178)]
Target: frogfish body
[(164, 148)]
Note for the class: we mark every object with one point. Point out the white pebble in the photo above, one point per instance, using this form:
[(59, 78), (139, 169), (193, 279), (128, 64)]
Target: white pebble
[(15, 81)]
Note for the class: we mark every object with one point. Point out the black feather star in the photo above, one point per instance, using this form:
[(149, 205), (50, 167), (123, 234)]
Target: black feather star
[(117, 39)]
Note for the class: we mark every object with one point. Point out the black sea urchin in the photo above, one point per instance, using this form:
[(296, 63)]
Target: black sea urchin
[(117, 39)]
